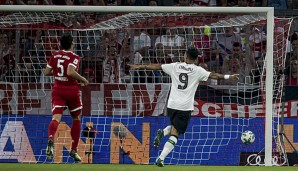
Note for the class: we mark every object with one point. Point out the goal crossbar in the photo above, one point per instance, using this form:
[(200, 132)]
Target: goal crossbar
[(117, 9)]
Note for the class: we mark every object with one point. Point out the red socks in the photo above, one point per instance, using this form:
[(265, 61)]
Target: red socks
[(75, 134), (53, 126)]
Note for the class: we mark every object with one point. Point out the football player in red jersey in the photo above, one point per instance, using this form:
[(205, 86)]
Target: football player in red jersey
[(63, 65)]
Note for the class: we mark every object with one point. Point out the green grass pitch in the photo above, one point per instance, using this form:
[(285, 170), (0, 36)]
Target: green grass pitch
[(123, 167)]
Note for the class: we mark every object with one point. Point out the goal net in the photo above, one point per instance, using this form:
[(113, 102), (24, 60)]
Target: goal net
[(123, 108)]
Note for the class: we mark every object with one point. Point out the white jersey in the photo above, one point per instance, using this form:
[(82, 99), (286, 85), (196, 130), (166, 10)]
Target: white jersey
[(185, 81)]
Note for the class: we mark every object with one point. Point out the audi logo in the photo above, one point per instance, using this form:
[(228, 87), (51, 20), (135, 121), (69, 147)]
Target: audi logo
[(258, 160)]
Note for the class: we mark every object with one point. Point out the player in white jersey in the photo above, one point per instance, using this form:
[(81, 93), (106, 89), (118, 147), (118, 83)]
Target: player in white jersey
[(185, 78)]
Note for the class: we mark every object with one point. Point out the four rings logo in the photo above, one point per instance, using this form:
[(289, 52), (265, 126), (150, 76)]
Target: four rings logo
[(258, 160)]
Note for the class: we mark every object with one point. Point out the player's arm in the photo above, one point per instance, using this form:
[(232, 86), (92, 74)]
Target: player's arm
[(218, 76), (71, 71), (48, 71), (148, 67)]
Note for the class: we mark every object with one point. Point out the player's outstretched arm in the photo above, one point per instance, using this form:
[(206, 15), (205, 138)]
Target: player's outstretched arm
[(148, 67), (218, 76), (74, 74)]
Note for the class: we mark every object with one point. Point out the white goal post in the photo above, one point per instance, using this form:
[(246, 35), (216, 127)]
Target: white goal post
[(268, 11)]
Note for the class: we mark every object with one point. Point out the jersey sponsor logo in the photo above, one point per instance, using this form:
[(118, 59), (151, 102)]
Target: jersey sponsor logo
[(184, 68)]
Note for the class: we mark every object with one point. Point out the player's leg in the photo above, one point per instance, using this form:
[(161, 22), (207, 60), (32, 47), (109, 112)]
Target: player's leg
[(75, 108), (168, 147), (53, 126), (180, 120), (166, 131), (58, 105), (75, 135), (160, 134)]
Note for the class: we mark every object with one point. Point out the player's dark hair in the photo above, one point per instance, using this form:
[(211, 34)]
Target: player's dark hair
[(66, 41), (192, 53)]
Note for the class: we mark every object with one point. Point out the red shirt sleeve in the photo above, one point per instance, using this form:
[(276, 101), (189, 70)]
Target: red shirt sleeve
[(75, 61)]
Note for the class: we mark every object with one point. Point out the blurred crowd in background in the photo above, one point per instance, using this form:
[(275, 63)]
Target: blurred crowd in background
[(279, 4), (106, 53), (138, 2)]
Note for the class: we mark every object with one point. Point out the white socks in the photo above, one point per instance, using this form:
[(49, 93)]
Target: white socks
[(167, 130), (169, 146)]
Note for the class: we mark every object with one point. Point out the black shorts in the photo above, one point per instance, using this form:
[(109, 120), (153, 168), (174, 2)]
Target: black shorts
[(179, 119)]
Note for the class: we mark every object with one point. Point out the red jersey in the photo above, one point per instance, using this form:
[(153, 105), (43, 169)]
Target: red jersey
[(59, 62)]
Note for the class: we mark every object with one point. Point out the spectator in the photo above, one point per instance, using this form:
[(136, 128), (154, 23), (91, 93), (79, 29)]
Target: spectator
[(40, 48), (91, 44), (27, 41), (184, 3), (28, 2), (292, 79), (48, 2), (141, 42), (97, 2), (256, 73), (113, 2), (7, 59), (46, 42), (280, 4), (141, 2), (229, 3), (152, 3), (69, 2), (236, 63), (234, 68), (203, 42), (10, 61), (251, 3), (51, 41), (294, 48), (160, 56), (204, 3), (111, 66), (167, 2), (132, 2), (6, 2), (293, 35), (171, 42), (238, 53), (242, 3), (222, 45), (3, 52), (63, 2), (128, 56), (110, 40), (82, 2)]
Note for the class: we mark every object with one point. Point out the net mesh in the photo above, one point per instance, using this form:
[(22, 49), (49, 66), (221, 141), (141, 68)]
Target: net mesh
[(124, 108)]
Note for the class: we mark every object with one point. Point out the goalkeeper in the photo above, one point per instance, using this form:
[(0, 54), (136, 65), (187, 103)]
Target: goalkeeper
[(185, 77)]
